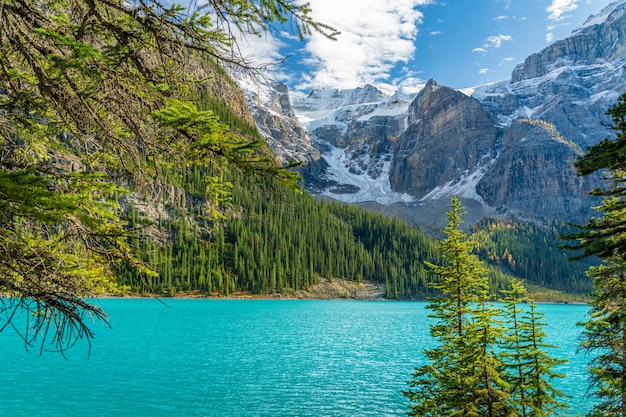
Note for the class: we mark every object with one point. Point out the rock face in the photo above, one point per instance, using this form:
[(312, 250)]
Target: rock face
[(571, 83), (601, 39), (356, 131), (500, 147), (271, 108), (534, 173), (448, 134)]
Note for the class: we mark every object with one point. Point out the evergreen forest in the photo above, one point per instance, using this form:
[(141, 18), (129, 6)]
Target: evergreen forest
[(277, 240)]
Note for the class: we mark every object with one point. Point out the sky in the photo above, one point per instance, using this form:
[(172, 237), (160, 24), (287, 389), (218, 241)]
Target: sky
[(401, 44)]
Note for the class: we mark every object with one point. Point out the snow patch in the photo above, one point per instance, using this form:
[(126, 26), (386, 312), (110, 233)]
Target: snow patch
[(386, 111), (464, 186), (601, 17), (369, 189)]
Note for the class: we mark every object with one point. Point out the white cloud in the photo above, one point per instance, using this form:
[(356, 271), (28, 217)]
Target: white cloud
[(557, 9), (436, 32), (411, 85), (501, 18), (481, 50), (496, 41), (549, 37), (483, 70), (261, 50), (375, 37)]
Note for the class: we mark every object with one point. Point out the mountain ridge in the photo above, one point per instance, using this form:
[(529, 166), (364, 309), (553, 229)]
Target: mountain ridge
[(499, 146)]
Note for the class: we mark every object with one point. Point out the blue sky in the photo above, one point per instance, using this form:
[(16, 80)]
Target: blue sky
[(400, 44)]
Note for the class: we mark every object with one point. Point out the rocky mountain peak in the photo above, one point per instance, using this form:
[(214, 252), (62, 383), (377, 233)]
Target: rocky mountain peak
[(602, 38), (506, 148), (329, 99), (449, 136), (270, 105)]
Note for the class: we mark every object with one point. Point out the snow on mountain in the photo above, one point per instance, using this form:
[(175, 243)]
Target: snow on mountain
[(366, 145), (464, 186), (600, 18), (270, 106), (367, 188), (347, 127)]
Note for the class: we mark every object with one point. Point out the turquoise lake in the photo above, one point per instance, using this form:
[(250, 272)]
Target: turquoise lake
[(201, 357)]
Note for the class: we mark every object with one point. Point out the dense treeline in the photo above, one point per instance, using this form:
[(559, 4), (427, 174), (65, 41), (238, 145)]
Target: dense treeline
[(278, 240), (530, 252)]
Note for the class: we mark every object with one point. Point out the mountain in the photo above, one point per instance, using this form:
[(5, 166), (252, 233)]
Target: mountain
[(505, 148), (271, 108)]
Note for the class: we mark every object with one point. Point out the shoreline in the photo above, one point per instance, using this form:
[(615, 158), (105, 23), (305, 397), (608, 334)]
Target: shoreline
[(339, 289), (336, 289)]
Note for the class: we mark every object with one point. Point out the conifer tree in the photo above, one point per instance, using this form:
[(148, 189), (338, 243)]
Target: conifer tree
[(604, 337), (462, 376), (94, 95), (529, 366)]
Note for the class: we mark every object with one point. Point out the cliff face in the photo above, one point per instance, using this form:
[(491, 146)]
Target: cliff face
[(501, 147), (570, 83), (448, 134), (271, 107), (602, 38), (534, 174)]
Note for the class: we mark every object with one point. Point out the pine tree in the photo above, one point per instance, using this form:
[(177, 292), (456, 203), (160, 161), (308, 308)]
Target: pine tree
[(604, 336), (528, 364), (543, 396), (462, 376)]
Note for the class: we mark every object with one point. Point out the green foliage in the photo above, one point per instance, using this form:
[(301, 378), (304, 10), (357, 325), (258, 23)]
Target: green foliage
[(462, 376), (526, 359), (480, 367), (94, 95), (605, 331), (462, 276), (604, 336), (531, 253), (278, 240)]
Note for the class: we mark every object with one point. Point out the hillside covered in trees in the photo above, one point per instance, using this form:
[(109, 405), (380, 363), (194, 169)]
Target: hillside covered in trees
[(277, 240)]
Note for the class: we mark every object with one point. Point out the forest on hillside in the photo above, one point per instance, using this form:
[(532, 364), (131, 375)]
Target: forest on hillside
[(277, 240)]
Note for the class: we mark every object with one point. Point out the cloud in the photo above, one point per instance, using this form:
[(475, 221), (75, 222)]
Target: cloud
[(481, 50), (259, 50), (549, 37), (496, 41), (557, 9), (483, 70), (375, 37), (436, 32), (501, 18)]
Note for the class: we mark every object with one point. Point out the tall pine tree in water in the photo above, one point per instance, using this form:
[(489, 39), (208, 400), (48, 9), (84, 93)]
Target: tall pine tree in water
[(604, 336), (462, 376), (529, 366), (93, 96)]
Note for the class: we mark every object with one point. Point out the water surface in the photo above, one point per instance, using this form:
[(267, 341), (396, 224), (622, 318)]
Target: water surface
[(203, 357)]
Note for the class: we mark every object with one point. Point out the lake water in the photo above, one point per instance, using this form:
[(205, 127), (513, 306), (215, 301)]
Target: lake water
[(246, 358)]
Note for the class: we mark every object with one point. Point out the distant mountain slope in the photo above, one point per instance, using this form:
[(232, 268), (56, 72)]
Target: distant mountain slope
[(507, 148)]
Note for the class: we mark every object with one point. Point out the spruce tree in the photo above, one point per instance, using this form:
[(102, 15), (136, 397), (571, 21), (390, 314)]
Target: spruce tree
[(528, 364), (604, 336), (462, 376)]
